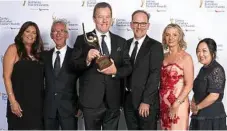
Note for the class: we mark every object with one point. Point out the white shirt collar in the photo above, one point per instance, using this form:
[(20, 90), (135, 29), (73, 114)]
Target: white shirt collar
[(140, 41), (99, 34), (62, 50)]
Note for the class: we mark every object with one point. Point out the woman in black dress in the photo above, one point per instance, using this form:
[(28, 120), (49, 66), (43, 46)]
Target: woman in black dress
[(23, 78), (208, 111)]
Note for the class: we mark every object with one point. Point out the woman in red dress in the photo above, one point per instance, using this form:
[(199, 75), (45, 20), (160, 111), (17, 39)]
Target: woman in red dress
[(176, 80)]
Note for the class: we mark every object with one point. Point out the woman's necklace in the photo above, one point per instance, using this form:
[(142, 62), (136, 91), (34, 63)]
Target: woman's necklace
[(32, 57)]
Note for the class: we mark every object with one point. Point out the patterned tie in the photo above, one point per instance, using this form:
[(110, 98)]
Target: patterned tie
[(57, 63), (133, 56), (104, 47)]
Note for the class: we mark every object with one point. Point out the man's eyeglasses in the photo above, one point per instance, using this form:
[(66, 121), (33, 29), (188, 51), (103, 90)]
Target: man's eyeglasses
[(142, 24), (58, 32)]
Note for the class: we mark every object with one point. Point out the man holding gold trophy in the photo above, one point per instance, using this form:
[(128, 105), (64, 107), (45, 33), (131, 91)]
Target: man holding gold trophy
[(102, 59)]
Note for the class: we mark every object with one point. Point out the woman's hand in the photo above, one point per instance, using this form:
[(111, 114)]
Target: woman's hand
[(16, 109), (194, 108), (173, 110)]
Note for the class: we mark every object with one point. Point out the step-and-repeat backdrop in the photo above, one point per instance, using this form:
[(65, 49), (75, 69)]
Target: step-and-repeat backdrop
[(198, 18)]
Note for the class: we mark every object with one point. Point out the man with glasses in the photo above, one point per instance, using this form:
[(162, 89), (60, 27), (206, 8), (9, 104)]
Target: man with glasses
[(100, 92), (141, 87), (60, 104)]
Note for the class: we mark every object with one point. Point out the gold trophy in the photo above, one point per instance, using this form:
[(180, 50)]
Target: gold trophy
[(92, 40)]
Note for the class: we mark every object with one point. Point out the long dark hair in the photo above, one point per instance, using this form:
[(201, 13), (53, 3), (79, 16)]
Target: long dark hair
[(37, 46)]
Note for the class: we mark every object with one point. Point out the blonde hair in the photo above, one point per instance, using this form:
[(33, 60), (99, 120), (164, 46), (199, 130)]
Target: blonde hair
[(182, 43)]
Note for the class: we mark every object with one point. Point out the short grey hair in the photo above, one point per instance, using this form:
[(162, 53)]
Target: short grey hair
[(60, 21), (141, 11)]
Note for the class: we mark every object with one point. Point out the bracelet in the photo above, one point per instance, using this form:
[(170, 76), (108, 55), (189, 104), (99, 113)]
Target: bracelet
[(10, 93), (13, 103), (179, 101)]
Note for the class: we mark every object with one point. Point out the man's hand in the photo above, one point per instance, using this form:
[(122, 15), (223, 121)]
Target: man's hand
[(144, 109), (79, 113), (92, 54), (111, 70)]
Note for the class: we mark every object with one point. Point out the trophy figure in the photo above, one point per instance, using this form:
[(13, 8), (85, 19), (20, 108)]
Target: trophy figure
[(102, 61)]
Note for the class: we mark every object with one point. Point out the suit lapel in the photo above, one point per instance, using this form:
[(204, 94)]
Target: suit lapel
[(65, 61), (49, 59), (129, 42), (114, 46), (143, 50)]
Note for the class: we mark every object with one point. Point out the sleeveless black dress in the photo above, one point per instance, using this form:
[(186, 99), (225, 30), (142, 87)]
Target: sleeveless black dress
[(28, 86)]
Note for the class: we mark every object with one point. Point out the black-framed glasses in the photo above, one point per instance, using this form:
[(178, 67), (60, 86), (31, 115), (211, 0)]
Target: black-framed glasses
[(142, 24)]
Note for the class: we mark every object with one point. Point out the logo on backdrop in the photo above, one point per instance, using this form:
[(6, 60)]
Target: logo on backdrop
[(89, 3), (217, 6), (184, 24), (143, 2), (7, 23), (72, 26), (24, 2), (121, 24), (4, 97), (39, 5), (154, 5)]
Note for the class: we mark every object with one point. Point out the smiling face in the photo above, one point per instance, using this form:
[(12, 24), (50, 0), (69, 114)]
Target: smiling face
[(59, 35), (102, 19), (203, 54), (139, 25), (172, 37), (29, 35)]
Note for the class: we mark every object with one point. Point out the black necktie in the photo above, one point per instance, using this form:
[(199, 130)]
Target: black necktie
[(104, 47), (133, 56), (57, 64), (132, 59)]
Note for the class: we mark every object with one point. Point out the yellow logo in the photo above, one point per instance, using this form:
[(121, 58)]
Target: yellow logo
[(199, 38), (201, 4), (24, 2), (143, 2), (83, 3), (113, 21), (54, 17), (172, 21)]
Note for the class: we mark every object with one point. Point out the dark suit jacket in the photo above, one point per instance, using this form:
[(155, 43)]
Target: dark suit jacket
[(146, 73), (60, 91), (96, 87)]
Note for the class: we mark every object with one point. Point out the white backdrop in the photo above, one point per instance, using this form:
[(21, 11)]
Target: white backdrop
[(198, 18)]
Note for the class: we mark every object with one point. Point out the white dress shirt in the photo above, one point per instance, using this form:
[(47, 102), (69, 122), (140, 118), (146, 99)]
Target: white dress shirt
[(140, 42), (106, 39), (62, 55)]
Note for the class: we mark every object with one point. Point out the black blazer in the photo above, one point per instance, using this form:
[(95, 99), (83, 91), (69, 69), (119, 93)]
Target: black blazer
[(94, 85), (146, 73), (60, 91)]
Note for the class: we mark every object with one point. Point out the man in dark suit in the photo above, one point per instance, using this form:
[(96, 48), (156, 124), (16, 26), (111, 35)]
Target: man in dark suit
[(60, 105), (100, 93), (141, 97)]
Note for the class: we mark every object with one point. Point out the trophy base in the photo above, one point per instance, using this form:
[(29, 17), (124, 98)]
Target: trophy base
[(103, 62)]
